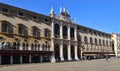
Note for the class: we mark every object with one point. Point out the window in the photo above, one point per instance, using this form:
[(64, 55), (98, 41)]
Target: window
[(71, 32), (46, 20), (64, 31), (85, 39), (36, 32), (47, 33), (5, 10), (103, 42), (79, 38), (22, 30), (91, 40), (106, 42), (100, 41), (95, 41), (34, 17), (56, 29), (7, 27), (21, 14)]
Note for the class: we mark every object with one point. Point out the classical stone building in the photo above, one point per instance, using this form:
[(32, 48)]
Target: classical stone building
[(94, 43), (116, 44), (29, 37), (71, 41), (24, 36)]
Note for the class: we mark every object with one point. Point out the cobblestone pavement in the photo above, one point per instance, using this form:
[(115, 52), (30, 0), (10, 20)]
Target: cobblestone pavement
[(92, 65)]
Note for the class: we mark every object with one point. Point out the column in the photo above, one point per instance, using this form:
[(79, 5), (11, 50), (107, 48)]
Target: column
[(21, 48), (0, 59), (81, 52), (11, 59), (69, 32), (61, 52), (52, 28), (61, 31), (69, 52), (76, 54), (53, 56), (21, 59), (75, 33), (30, 58)]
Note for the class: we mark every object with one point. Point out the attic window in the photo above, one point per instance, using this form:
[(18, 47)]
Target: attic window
[(34, 17), (85, 30), (46, 20), (5, 10), (20, 14)]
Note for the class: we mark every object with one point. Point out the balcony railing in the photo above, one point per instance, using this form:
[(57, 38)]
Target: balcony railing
[(65, 37), (57, 36), (72, 38)]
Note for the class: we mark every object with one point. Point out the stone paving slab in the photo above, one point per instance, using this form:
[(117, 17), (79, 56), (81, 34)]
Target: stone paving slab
[(87, 65)]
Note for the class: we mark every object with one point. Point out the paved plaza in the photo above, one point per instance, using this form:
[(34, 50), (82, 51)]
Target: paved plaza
[(112, 64)]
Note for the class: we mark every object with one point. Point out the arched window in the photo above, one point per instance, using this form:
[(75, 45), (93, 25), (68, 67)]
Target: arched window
[(47, 33), (35, 47), (64, 31), (106, 42), (95, 40), (23, 46), (103, 42), (6, 27), (14, 45), (22, 30), (85, 39), (79, 38), (48, 47), (38, 46), (71, 32), (36, 31), (18, 45), (32, 47), (100, 41), (43, 47), (91, 40), (27, 45), (56, 29)]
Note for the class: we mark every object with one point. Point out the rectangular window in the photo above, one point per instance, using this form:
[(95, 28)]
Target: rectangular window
[(20, 29), (20, 14), (34, 18), (4, 27), (5, 10)]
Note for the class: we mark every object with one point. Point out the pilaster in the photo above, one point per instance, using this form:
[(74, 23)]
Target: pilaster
[(11, 59), (61, 51), (69, 52), (61, 31), (76, 53), (68, 31)]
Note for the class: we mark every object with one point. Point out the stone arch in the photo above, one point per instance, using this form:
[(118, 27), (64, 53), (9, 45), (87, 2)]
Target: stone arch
[(65, 52), (57, 29), (85, 39), (57, 51), (72, 52), (65, 31), (71, 32)]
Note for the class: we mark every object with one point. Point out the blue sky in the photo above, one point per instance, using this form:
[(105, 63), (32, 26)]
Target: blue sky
[(103, 15)]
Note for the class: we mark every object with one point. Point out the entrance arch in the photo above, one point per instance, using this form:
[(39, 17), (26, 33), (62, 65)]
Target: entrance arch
[(57, 52), (72, 52), (65, 52), (79, 52)]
